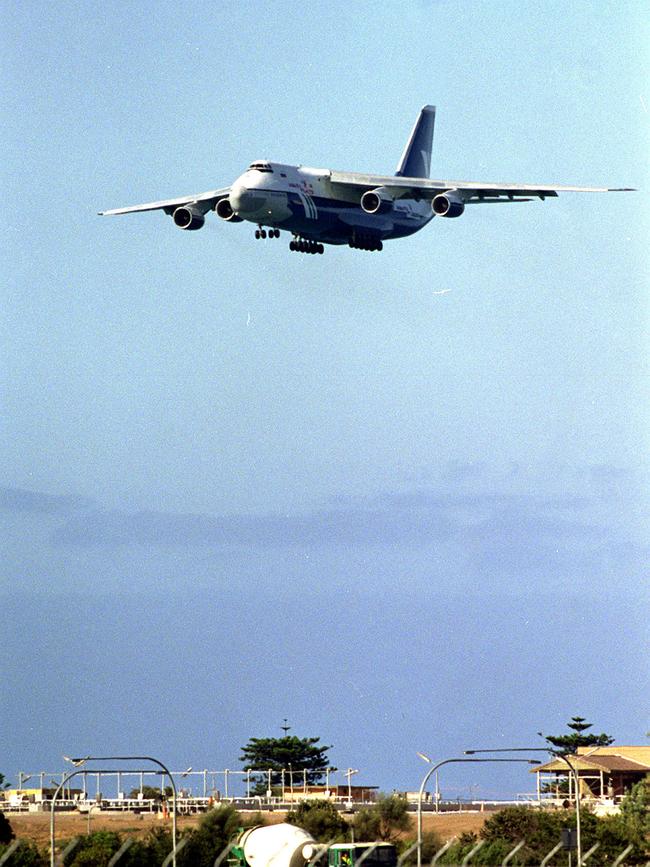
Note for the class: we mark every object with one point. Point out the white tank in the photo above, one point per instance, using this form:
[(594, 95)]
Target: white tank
[(279, 845)]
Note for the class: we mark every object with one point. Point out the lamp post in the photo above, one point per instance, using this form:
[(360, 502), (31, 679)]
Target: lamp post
[(572, 771), (91, 807), (434, 767), (66, 779), (81, 761)]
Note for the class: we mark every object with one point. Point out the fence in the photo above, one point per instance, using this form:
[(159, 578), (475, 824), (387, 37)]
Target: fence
[(223, 855)]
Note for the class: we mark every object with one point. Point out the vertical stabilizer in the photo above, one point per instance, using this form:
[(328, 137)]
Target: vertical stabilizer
[(416, 159)]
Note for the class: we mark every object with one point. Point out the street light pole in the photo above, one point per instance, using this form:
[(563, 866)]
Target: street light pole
[(434, 767), (81, 761), (61, 786), (572, 771)]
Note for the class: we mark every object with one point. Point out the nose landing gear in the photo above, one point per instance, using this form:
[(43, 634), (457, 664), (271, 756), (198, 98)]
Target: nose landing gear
[(305, 245)]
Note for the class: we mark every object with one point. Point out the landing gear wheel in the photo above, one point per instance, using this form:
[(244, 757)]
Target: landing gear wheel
[(292, 246), (263, 234), (257, 234), (320, 249)]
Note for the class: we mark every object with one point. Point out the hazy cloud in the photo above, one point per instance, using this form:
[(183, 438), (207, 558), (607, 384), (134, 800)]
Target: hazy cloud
[(22, 500), (330, 528), (479, 519)]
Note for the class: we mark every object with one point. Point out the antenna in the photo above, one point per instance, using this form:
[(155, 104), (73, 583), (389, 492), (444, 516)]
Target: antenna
[(285, 728)]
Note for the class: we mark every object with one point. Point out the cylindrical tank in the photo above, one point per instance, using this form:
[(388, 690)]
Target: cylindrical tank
[(281, 845)]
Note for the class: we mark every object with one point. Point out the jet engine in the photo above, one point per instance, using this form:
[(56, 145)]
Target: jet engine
[(225, 211), (189, 217), (377, 201), (448, 205)]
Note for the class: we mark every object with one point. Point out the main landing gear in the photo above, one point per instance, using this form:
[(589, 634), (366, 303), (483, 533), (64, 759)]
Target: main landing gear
[(365, 242), (304, 245), (261, 233)]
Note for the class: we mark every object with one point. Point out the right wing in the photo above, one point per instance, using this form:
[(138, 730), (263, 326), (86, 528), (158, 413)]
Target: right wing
[(472, 192), (206, 201)]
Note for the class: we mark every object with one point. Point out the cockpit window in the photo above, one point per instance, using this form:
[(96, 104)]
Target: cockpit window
[(260, 167)]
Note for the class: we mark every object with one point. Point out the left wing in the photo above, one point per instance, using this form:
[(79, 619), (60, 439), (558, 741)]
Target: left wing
[(205, 201), (471, 192)]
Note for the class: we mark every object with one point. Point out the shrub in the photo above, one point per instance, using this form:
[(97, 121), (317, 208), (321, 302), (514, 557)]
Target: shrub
[(321, 819)]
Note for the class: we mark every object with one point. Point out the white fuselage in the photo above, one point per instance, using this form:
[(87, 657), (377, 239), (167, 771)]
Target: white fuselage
[(304, 201)]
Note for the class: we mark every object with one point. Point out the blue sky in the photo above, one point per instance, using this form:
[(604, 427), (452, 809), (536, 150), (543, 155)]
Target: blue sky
[(240, 485)]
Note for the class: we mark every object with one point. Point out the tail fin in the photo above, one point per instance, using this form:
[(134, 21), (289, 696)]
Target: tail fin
[(416, 159)]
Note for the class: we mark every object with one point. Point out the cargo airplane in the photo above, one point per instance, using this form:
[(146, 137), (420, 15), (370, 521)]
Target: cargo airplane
[(323, 206)]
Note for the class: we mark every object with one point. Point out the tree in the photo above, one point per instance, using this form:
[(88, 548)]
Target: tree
[(289, 754), (635, 811), (6, 831), (3, 785), (26, 855), (385, 820), (216, 829), (321, 819), (151, 793), (568, 744), (94, 850), (431, 844)]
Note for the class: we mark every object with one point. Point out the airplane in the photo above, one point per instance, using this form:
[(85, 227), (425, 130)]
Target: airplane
[(324, 206)]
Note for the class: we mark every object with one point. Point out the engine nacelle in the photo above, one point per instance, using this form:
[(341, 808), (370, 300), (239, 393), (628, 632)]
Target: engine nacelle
[(189, 217), (377, 201), (448, 205), (225, 212)]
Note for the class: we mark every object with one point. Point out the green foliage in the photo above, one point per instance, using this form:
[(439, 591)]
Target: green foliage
[(214, 832), (431, 843), (366, 825), (276, 754), (568, 744), (385, 820), (26, 855), (157, 846), (321, 819), (6, 831), (94, 850), (541, 830), (149, 793), (635, 811), (4, 785)]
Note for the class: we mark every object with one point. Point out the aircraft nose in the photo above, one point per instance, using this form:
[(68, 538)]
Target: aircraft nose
[(243, 200)]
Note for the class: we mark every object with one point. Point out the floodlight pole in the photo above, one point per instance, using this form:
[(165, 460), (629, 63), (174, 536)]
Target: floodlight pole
[(434, 767), (572, 771)]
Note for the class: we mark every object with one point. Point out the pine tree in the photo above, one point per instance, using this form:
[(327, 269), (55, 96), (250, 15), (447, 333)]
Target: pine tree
[(298, 758), (569, 743)]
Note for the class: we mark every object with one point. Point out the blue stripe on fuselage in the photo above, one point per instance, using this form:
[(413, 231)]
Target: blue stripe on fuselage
[(337, 220)]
